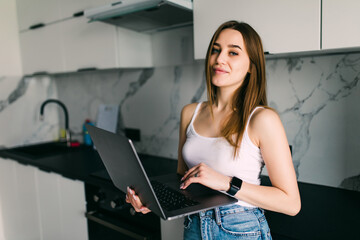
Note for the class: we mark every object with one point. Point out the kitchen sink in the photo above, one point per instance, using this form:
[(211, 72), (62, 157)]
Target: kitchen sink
[(42, 150)]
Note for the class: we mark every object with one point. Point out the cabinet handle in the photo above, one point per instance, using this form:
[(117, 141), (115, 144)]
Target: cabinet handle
[(40, 73), (87, 69), (78, 14), (116, 3), (35, 26)]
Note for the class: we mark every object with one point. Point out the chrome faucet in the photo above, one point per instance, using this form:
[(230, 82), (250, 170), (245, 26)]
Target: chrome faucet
[(62, 105)]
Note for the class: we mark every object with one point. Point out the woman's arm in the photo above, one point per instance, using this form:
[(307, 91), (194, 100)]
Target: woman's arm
[(267, 132)]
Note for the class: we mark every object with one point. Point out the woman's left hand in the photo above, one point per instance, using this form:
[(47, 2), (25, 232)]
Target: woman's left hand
[(206, 176)]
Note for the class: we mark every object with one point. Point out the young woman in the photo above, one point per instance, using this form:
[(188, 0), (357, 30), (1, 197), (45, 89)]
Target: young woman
[(225, 142)]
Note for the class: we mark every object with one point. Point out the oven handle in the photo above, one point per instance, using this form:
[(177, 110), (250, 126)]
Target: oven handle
[(91, 216)]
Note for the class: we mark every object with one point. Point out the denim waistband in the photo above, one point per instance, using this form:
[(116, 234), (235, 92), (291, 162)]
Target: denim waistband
[(219, 212), (224, 210)]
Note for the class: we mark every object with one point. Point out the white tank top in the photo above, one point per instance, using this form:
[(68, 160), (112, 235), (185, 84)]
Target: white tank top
[(217, 153)]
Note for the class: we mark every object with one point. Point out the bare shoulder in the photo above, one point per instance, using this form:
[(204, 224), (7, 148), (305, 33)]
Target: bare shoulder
[(264, 121), (264, 116), (187, 111)]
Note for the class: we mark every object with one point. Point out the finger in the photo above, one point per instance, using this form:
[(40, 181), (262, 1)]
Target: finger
[(144, 210), (135, 200), (189, 172), (189, 181)]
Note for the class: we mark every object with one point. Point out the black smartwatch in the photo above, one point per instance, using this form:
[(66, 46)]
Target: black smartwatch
[(235, 186)]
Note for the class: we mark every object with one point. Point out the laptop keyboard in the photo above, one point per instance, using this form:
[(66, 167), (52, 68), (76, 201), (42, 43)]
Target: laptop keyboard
[(169, 198)]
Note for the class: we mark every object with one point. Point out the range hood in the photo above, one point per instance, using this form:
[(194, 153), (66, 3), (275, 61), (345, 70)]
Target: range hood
[(144, 15)]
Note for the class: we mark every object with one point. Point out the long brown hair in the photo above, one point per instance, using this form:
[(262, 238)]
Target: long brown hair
[(251, 93)]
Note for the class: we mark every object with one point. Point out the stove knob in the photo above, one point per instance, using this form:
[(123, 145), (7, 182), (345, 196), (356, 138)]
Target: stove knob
[(117, 203), (132, 211), (99, 197)]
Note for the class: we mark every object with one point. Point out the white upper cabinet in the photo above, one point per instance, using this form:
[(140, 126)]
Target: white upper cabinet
[(341, 24), (173, 47), (88, 45), (98, 45), (33, 12), (283, 25), (69, 7), (133, 48), (42, 50)]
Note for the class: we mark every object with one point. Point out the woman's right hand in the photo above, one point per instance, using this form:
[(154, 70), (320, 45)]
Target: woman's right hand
[(134, 200)]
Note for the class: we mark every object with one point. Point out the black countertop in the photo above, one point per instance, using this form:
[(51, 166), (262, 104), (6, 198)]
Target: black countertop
[(84, 163)]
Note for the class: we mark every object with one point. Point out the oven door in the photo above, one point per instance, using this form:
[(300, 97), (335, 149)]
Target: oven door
[(105, 227)]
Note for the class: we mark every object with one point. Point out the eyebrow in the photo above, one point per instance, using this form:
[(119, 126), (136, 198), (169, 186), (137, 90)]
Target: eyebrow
[(230, 46)]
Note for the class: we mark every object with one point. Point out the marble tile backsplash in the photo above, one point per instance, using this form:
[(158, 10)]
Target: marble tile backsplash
[(316, 98), (20, 101)]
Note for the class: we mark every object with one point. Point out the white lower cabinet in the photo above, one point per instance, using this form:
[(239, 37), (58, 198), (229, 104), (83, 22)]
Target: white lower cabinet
[(40, 205), (173, 229), (19, 210)]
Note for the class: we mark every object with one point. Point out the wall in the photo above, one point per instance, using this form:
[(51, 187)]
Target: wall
[(315, 97)]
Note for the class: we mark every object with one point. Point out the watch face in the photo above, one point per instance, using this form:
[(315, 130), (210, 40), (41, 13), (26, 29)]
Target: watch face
[(236, 182)]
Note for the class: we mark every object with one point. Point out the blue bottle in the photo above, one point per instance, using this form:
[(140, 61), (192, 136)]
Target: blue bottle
[(87, 138)]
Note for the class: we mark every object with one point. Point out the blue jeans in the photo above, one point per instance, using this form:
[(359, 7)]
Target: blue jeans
[(228, 222)]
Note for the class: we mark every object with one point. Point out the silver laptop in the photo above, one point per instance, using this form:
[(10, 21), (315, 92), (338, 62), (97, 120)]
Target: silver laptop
[(161, 194)]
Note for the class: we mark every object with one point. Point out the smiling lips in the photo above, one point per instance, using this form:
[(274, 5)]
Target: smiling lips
[(219, 71)]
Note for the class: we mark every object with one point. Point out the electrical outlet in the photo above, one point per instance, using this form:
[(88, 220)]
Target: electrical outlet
[(133, 134)]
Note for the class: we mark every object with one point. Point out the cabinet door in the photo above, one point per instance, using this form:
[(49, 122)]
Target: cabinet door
[(32, 12), (19, 209), (284, 26), (73, 206), (62, 203), (49, 201), (69, 7), (88, 45), (340, 24), (10, 60), (134, 49), (173, 47), (41, 50)]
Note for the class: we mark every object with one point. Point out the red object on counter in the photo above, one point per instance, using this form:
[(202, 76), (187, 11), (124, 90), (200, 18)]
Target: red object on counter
[(74, 144)]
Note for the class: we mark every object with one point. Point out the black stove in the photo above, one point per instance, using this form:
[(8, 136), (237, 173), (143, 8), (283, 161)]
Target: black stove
[(110, 217)]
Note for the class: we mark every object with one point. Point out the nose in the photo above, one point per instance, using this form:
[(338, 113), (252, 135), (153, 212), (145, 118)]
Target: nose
[(220, 58)]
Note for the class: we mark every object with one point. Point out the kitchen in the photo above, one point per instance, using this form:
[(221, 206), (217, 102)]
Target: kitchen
[(312, 82)]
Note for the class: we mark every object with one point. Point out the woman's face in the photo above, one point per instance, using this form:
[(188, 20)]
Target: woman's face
[(229, 60)]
